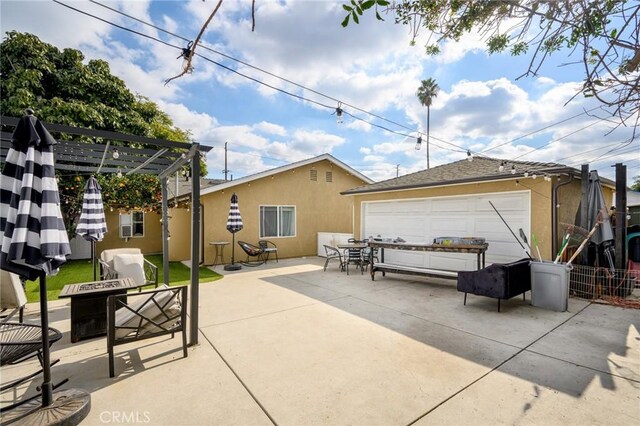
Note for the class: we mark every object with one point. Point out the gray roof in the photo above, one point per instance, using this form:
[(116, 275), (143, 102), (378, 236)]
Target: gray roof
[(464, 171), (184, 186)]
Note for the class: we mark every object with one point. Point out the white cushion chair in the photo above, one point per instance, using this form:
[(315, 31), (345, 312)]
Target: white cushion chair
[(144, 315), (128, 262), (12, 295)]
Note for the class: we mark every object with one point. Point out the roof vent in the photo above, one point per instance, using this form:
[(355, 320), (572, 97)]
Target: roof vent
[(313, 175), (329, 176)]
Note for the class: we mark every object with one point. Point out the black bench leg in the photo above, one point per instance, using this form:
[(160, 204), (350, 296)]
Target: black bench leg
[(465, 298), (523, 298), (498, 305)]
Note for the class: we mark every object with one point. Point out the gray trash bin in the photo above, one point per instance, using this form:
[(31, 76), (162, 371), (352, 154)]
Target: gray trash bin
[(550, 285)]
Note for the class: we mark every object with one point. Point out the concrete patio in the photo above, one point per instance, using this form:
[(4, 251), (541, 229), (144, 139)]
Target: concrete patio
[(289, 344)]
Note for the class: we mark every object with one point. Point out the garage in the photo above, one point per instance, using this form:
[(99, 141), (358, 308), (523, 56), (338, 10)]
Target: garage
[(420, 220)]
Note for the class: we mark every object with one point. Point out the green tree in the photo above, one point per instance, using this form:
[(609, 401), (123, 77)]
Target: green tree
[(636, 183), (62, 89), (426, 92), (604, 34)]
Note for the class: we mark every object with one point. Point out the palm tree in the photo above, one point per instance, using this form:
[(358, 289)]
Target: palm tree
[(426, 92)]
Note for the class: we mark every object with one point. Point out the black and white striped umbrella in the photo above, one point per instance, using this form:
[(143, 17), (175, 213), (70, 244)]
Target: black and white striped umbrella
[(92, 224), (34, 238), (234, 221), (234, 224)]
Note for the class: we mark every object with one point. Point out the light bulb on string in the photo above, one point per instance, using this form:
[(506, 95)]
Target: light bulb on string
[(115, 154), (469, 156), (513, 169), (119, 174), (534, 175), (419, 143), (501, 167), (526, 173)]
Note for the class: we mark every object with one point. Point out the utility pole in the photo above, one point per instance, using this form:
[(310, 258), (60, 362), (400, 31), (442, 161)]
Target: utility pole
[(226, 170)]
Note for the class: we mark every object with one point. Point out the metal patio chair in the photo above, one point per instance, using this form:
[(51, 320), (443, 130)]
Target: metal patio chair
[(267, 248), (333, 253), (254, 252), (128, 262)]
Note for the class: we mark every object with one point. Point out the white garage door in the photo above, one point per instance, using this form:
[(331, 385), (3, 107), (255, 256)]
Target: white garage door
[(421, 220)]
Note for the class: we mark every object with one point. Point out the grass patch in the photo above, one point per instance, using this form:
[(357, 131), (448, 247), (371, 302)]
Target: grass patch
[(79, 271)]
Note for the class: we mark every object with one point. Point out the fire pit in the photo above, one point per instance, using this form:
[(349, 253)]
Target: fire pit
[(89, 305)]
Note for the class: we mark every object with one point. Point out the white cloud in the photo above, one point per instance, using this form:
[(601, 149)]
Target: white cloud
[(271, 128)]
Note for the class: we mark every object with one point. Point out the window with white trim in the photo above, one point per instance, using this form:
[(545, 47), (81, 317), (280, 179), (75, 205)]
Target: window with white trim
[(132, 225), (277, 221)]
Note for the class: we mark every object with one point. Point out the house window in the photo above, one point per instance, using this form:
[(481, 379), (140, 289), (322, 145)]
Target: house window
[(277, 221), (329, 176), (132, 225)]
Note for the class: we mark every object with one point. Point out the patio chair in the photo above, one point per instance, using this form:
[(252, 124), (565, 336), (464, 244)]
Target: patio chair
[(128, 262), (267, 248), (354, 256), (254, 252), (19, 343), (141, 316), (333, 253), (12, 296)]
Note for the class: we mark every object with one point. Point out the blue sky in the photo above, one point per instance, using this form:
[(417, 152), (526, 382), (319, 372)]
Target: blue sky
[(371, 66)]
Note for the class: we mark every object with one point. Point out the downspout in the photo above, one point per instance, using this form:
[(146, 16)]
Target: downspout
[(554, 214)]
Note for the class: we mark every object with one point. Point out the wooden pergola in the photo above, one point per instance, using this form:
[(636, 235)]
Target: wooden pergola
[(92, 151)]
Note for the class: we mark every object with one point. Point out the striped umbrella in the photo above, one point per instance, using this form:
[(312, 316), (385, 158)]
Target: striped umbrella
[(92, 224), (234, 224), (34, 239)]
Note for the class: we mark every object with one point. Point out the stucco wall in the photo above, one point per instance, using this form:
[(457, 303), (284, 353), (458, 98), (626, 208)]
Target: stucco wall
[(151, 243), (540, 195), (319, 208), (179, 234)]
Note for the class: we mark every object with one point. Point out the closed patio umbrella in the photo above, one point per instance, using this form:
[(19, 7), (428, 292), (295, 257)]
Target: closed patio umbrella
[(92, 224), (234, 224), (33, 235), (603, 237)]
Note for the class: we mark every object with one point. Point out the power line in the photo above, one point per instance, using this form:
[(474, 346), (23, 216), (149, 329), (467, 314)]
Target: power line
[(459, 148), (540, 130), (300, 97)]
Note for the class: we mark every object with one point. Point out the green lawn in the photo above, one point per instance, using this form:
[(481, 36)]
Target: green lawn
[(79, 271)]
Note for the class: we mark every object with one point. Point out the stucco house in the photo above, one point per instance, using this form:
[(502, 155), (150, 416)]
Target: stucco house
[(452, 200), (287, 205)]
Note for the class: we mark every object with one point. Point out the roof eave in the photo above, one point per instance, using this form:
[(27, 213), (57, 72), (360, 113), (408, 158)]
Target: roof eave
[(491, 178)]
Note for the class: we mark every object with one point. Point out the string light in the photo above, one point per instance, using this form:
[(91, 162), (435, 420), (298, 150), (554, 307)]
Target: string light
[(469, 156), (115, 154), (501, 168), (526, 173), (419, 143), (339, 114), (513, 169), (119, 174), (534, 175)]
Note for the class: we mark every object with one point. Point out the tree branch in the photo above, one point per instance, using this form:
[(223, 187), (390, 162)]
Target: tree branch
[(195, 44)]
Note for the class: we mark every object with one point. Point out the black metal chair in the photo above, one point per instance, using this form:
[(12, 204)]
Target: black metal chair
[(144, 315), (252, 252), (333, 253), (18, 343), (354, 256), (267, 248)]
